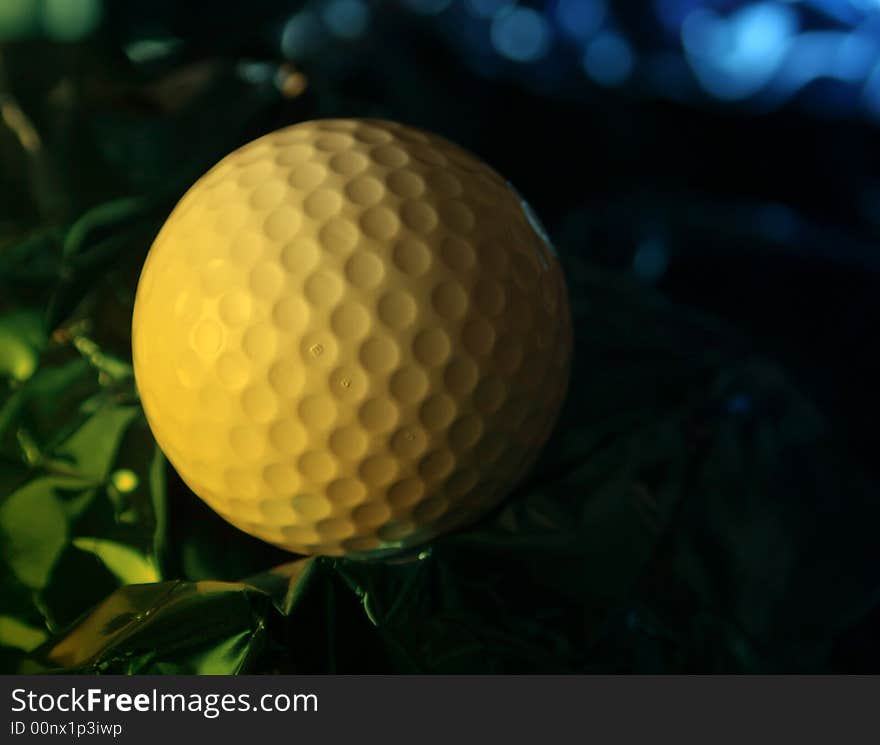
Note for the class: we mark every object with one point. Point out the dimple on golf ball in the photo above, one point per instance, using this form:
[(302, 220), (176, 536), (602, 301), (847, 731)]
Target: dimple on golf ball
[(351, 336)]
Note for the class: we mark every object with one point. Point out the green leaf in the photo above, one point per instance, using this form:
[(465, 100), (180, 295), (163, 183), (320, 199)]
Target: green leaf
[(45, 400), (91, 450), (18, 635), (85, 268), (128, 565), (104, 218), (33, 528), (22, 339), (159, 500)]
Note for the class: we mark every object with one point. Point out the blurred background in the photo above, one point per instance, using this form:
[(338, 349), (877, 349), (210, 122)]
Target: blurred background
[(707, 171)]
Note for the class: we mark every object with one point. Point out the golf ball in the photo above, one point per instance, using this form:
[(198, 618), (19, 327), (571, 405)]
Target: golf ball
[(351, 336)]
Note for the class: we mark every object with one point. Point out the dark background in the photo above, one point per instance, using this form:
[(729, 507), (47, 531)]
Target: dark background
[(707, 172)]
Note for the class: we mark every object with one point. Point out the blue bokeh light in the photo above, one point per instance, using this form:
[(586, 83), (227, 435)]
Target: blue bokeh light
[(841, 55), (755, 53), (581, 18), (255, 72), (650, 260), (522, 35), (347, 19), (843, 11), (609, 59), (671, 13), (301, 35), (855, 57), (734, 57), (489, 8), (871, 92)]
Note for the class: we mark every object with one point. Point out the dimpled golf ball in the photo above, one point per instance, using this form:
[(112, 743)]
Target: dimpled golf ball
[(351, 336)]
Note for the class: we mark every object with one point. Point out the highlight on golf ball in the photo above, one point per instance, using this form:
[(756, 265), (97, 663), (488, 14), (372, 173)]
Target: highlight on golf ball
[(351, 336)]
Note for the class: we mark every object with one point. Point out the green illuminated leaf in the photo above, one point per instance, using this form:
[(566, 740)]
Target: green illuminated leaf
[(44, 401), (18, 635), (91, 450), (130, 566), (33, 530), (22, 338)]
